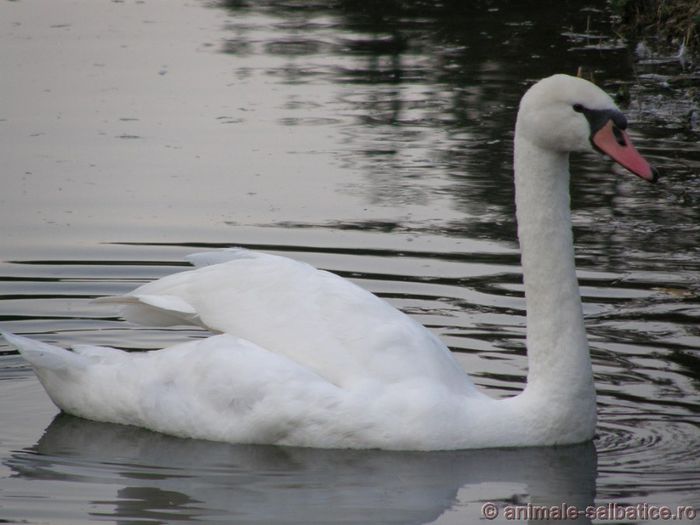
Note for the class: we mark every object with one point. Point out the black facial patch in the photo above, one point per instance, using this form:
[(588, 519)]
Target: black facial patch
[(597, 118)]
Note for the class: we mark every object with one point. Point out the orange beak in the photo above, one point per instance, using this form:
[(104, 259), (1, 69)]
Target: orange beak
[(616, 144)]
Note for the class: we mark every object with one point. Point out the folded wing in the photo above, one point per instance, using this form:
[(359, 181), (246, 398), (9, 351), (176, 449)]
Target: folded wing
[(316, 318)]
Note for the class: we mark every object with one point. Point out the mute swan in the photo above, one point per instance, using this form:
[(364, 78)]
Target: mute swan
[(306, 358)]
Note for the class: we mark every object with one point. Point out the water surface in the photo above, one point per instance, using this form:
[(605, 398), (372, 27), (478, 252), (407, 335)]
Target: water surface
[(370, 139)]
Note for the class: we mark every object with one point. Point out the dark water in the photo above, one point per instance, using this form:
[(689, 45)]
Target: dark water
[(371, 139)]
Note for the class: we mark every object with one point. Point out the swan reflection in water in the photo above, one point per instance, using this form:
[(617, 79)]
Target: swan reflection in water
[(159, 477)]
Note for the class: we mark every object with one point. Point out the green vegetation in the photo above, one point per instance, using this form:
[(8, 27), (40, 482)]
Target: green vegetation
[(672, 22)]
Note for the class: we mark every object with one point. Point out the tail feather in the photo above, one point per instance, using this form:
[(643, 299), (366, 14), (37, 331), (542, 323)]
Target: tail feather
[(45, 356), (154, 310), (160, 303)]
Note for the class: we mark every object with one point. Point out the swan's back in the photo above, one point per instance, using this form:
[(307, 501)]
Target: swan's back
[(319, 320)]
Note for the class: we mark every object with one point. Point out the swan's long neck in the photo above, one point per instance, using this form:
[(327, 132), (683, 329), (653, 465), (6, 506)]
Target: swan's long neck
[(558, 356)]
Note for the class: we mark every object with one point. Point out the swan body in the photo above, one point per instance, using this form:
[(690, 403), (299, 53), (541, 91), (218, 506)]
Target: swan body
[(303, 357)]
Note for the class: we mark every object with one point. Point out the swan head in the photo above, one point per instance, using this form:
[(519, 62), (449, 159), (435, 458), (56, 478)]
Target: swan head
[(569, 114)]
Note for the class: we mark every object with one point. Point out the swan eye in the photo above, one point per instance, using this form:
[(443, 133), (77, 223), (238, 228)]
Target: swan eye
[(578, 108)]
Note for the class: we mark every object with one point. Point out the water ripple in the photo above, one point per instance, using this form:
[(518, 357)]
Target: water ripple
[(665, 451)]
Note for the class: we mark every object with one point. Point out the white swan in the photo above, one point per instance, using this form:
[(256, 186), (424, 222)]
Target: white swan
[(307, 358)]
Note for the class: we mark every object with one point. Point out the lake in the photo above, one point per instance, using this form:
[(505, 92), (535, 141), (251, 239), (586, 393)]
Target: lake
[(371, 139)]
